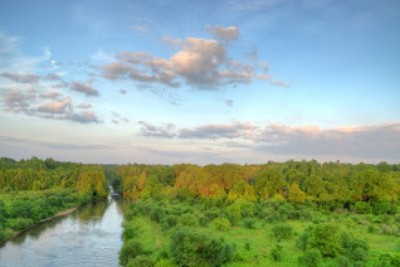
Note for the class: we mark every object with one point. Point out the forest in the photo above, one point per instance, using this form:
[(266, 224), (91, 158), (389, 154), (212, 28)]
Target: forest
[(295, 213)]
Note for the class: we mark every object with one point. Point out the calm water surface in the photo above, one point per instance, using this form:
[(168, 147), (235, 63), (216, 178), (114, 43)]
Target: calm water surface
[(91, 236)]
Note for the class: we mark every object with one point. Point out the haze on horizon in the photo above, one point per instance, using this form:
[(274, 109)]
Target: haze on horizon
[(200, 81)]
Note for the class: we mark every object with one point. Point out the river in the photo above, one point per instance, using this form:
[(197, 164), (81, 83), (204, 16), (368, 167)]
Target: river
[(90, 236)]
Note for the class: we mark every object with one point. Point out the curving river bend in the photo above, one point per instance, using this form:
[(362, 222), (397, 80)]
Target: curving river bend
[(90, 236)]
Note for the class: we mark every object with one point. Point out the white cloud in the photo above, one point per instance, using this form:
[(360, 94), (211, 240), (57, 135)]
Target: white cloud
[(201, 63)]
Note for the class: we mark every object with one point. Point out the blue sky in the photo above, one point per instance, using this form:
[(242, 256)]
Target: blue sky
[(200, 81)]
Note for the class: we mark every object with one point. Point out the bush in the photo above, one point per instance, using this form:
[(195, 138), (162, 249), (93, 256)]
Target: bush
[(129, 232), (277, 253), (363, 207), (164, 263), (169, 221), (188, 219), (343, 261), (130, 250), (249, 223), (325, 237), (156, 214), (282, 231), (312, 258), (221, 224), (19, 223), (357, 250), (2, 235), (195, 249), (141, 261), (388, 260)]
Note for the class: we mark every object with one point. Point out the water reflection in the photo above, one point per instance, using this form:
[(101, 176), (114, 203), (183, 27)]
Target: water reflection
[(91, 236)]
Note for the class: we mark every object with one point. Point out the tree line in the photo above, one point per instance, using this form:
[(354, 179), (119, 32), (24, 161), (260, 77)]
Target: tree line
[(367, 186)]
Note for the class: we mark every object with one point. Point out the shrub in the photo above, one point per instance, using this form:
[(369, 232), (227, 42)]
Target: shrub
[(130, 250), (277, 253), (282, 231), (19, 223), (188, 219), (141, 261), (164, 263), (157, 214), (388, 260), (221, 224), (343, 261), (129, 232), (363, 207), (357, 250), (326, 237), (169, 221), (2, 235), (249, 223), (195, 249), (312, 258)]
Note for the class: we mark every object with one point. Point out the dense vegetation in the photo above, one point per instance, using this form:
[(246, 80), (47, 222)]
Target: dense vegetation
[(33, 190), (277, 214)]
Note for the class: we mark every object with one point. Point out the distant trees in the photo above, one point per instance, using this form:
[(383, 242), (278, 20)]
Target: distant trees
[(328, 184)]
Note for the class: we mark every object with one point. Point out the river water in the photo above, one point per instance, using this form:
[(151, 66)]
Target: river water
[(90, 236)]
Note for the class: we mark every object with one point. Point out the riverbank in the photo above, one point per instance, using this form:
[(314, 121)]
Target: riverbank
[(21, 221), (59, 214)]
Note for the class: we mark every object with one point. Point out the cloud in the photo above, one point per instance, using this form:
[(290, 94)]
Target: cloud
[(217, 131), (20, 77), (140, 29), (57, 106), (85, 88), (229, 102), (51, 95), (84, 117), (122, 92), (19, 101), (30, 102), (226, 34), (201, 63), (84, 106), (368, 143), (280, 83), (62, 146), (164, 131), (211, 131)]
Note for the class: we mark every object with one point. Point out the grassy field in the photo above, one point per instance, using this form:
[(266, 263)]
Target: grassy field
[(151, 226)]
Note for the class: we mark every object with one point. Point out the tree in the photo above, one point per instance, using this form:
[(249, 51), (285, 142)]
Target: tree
[(192, 249), (296, 194)]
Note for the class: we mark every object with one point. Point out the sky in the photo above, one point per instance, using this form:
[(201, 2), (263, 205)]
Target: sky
[(165, 82)]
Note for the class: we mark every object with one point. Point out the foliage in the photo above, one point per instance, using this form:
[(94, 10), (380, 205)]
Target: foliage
[(324, 237), (194, 249), (311, 258), (221, 224), (282, 231), (129, 251), (277, 253)]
